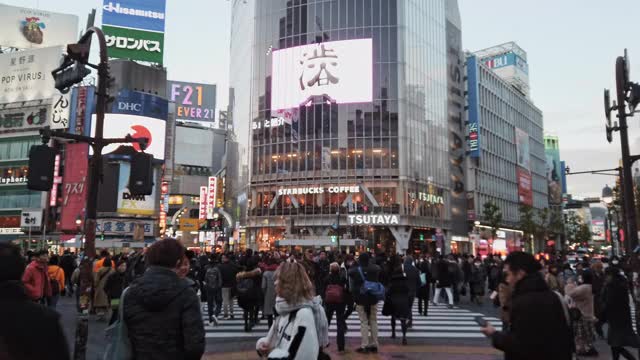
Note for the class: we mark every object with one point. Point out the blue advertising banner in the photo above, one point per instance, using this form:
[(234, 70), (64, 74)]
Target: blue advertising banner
[(141, 104), (507, 59), (136, 14), (473, 125)]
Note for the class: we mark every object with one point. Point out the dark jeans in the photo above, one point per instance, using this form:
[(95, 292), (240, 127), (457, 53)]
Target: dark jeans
[(214, 299), (250, 316), (424, 301), (339, 309)]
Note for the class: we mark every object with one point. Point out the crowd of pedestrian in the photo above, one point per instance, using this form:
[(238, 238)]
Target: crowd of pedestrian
[(549, 309)]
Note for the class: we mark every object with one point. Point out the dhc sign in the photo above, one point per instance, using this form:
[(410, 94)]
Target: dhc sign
[(373, 219)]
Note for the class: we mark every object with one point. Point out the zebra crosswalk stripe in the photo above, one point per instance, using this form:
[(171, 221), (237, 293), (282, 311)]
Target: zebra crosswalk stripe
[(441, 322)]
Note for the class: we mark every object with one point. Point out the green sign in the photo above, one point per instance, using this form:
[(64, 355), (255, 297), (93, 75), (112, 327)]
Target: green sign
[(421, 237), (123, 43)]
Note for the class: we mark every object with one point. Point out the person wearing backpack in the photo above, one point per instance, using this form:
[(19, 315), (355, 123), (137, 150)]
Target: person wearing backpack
[(362, 274), (56, 278), (213, 288), (301, 331), (335, 301), (248, 290)]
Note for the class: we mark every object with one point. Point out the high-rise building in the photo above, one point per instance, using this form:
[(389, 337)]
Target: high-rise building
[(506, 145), (354, 116)]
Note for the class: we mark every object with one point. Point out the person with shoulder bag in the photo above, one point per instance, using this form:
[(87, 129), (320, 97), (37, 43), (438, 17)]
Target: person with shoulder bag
[(334, 298), (300, 332), (364, 282)]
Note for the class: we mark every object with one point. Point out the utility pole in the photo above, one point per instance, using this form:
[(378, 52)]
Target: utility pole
[(627, 92), (338, 227)]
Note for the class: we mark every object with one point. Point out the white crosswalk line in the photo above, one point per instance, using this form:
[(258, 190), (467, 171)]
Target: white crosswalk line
[(441, 322)]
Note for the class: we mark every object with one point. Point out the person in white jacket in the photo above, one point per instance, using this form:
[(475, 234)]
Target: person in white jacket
[(294, 333)]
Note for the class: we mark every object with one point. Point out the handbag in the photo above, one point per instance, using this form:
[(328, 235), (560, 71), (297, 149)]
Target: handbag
[(118, 345), (334, 294)]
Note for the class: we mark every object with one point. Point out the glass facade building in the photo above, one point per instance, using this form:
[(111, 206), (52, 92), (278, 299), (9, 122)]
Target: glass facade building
[(329, 170)]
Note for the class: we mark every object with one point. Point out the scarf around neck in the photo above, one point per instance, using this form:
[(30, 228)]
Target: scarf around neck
[(319, 316)]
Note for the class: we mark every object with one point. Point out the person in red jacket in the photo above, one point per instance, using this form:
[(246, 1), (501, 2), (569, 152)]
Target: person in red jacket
[(36, 279)]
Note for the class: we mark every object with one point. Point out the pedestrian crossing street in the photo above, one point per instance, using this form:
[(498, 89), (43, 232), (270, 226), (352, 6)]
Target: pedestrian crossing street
[(441, 322)]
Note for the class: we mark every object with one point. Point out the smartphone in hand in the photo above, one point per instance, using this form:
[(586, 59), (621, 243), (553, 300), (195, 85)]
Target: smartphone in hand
[(481, 321)]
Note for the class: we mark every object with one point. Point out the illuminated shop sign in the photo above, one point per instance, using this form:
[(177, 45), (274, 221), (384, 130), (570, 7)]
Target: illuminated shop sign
[(428, 197), (373, 219), (269, 123), (319, 190), (13, 180)]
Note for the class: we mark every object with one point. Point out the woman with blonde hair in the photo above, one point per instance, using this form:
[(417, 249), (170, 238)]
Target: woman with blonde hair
[(300, 331)]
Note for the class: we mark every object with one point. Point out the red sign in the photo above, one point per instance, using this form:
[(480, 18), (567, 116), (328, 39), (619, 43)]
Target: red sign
[(203, 203), (74, 188), (621, 234), (57, 180), (525, 190)]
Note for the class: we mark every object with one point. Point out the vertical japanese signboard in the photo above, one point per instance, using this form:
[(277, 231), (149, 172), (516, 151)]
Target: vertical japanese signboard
[(203, 203), (74, 180), (60, 111), (473, 101), (212, 190)]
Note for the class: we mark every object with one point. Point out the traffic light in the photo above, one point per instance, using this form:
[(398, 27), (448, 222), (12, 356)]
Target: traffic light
[(421, 237), (141, 177), (41, 165), (66, 77), (334, 238)]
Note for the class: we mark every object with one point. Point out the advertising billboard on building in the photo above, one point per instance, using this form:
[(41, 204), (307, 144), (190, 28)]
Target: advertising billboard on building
[(339, 70), (194, 101), (119, 125), (141, 104), (525, 186), (212, 192), (60, 112), (26, 75), (473, 101), (523, 149), (202, 214), (133, 44), (507, 59), (74, 189), (24, 118), (137, 14), (25, 28), (134, 204), (554, 175), (123, 227)]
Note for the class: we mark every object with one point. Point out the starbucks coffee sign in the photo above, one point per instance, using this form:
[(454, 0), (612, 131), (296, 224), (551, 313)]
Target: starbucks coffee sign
[(380, 219)]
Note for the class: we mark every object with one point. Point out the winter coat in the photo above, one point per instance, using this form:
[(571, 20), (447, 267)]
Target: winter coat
[(315, 274), (554, 283), (337, 279), (36, 281), (228, 271), (29, 330), (478, 280), (295, 340), (423, 290), (100, 298), (413, 278), (56, 273), (97, 265), (539, 327), (254, 296), (371, 273), (398, 295), (444, 275), (213, 277), (582, 297), (466, 270), (269, 291), (504, 297), (68, 264), (163, 316), (617, 312)]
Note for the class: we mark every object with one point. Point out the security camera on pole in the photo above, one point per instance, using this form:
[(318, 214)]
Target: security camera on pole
[(627, 93)]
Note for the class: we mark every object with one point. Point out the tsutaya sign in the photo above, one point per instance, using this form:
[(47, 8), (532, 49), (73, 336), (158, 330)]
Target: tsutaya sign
[(319, 190), (373, 219)]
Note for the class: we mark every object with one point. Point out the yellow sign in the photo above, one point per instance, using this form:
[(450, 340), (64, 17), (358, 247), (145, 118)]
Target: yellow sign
[(189, 224), (176, 200)]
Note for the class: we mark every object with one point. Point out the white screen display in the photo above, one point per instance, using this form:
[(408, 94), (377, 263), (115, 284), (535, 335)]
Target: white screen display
[(119, 125), (341, 70)]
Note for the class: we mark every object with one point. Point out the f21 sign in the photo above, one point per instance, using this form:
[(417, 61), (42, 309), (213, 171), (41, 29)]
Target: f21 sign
[(339, 70), (194, 101)]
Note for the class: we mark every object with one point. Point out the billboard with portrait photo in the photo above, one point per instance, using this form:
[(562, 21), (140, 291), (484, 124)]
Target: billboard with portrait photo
[(523, 149), (25, 28), (339, 70)]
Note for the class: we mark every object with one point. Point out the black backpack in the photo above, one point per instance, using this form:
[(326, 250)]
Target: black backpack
[(245, 287)]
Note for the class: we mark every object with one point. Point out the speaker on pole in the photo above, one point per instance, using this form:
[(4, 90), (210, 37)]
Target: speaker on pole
[(141, 177)]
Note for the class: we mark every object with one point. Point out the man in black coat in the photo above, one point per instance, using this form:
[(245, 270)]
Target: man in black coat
[(161, 309), (27, 330), (68, 265), (228, 270), (539, 318), (413, 282)]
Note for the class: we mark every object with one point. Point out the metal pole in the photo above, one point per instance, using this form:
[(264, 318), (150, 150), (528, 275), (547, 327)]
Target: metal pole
[(338, 227), (629, 203)]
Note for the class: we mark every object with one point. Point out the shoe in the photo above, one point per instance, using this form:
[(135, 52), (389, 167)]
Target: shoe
[(214, 319), (232, 317), (372, 349), (409, 324), (225, 317), (362, 350), (404, 341), (449, 306)]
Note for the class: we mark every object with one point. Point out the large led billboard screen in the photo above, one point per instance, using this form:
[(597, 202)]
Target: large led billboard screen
[(340, 70), (119, 125)]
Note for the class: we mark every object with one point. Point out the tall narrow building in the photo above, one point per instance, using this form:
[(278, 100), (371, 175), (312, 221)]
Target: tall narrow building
[(351, 114)]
